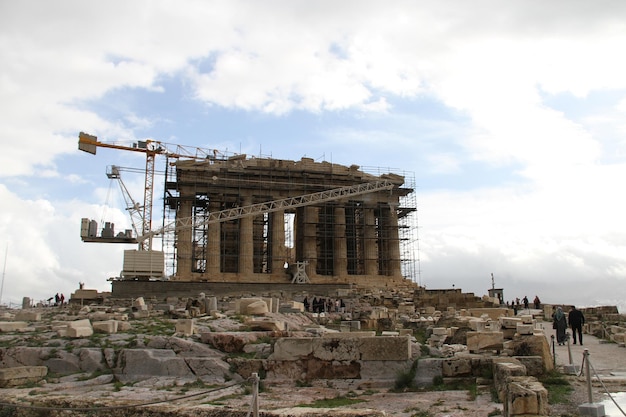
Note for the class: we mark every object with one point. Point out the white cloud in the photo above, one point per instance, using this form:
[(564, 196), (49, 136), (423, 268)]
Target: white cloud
[(493, 64)]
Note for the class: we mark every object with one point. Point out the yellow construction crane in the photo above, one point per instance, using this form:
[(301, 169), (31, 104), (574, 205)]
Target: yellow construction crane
[(150, 148)]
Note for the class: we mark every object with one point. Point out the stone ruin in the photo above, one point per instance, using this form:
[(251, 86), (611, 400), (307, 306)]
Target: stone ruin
[(368, 345)]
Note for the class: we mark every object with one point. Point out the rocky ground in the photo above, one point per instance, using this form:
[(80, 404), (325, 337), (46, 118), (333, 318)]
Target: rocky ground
[(163, 397)]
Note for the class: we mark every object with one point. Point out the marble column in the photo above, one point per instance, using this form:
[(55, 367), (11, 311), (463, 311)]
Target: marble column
[(340, 255), (213, 243), (246, 244)]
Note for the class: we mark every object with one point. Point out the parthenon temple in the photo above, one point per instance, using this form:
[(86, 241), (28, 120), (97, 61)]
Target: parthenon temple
[(363, 239)]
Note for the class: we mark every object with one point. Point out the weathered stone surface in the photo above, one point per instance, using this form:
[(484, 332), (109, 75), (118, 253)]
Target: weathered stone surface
[(91, 360), (459, 366), (140, 363), (329, 349), (230, 342), (291, 349), (79, 328), (210, 370), (503, 370), (260, 324), (185, 326), (385, 348), (257, 308), (525, 329), (534, 364), (532, 345), (509, 322), (12, 326), (107, 326), (16, 376), (427, 370), (22, 356), (349, 335), (63, 362), (382, 370), (479, 341), (27, 315), (525, 396), (182, 347)]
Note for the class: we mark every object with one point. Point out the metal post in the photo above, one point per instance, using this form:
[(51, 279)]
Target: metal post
[(255, 394), (569, 348), (588, 372), (553, 351)]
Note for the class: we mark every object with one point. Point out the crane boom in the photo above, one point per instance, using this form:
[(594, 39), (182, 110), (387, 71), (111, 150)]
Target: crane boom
[(271, 206), (150, 148)]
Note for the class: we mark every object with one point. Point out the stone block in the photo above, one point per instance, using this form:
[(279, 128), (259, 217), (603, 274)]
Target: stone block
[(510, 322), (106, 326), (533, 364), (19, 375), (153, 362), (440, 331), (27, 315), (12, 326), (526, 318), (385, 348), (139, 302), (492, 313), (455, 367), (140, 314), (291, 348), (79, 328), (382, 372), (427, 370), (267, 325), (480, 341), (525, 396), (478, 325), (257, 308), (525, 329), (503, 370), (349, 334), (186, 326), (591, 409), (406, 332)]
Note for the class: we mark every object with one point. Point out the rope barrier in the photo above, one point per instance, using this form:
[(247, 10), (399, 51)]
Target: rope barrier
[(115, 407), (604, 386)]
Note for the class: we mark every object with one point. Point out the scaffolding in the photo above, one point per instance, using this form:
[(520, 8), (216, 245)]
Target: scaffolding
[(367, 232)]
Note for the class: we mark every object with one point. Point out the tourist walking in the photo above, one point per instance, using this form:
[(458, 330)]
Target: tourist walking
[(537, 302), (560, 325), (576, 321)]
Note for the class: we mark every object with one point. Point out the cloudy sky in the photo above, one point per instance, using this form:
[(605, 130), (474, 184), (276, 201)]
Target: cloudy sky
[(510, 115)]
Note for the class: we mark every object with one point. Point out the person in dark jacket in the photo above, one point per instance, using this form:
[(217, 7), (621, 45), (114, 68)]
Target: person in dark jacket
[(560, 325), (576, 320)]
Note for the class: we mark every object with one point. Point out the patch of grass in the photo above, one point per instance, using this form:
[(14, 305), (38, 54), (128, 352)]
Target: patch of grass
[(156, 327), (370, 392), (494, 413), (559, 388), (418, 412), (456, 385), (405, 380), (339, 401)]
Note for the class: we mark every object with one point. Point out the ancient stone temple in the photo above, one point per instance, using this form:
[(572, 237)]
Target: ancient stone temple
[(353, 239)]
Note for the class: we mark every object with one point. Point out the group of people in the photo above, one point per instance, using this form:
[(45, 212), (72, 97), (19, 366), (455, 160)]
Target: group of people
[(516, 304), (560, 321), (59, 300), (321, 305)]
